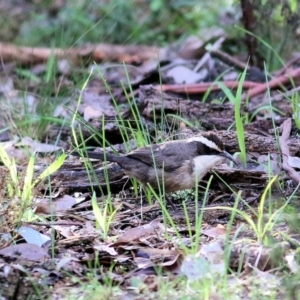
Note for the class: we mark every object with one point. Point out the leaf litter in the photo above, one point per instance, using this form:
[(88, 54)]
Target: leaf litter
[(63, 238)]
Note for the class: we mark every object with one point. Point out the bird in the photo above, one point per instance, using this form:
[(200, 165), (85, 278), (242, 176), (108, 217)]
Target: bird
[(174, 165)]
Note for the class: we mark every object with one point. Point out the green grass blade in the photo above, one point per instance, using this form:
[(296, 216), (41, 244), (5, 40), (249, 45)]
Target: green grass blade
[(27, 187), (9, 164), (51, 168)]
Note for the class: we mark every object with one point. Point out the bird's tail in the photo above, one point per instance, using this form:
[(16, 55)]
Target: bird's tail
[(96, 155)]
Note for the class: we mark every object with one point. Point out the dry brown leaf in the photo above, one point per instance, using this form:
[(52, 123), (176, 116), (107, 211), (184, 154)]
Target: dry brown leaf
[(215, 231), (29, 252), (138, 232)]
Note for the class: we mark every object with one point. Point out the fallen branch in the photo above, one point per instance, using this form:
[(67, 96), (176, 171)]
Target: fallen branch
[(100, 52), (276, 82)]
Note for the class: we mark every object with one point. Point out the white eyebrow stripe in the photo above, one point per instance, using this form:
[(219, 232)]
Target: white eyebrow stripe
[(205, 141)]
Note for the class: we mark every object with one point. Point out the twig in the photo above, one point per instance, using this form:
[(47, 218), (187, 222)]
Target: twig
[(229, 60), (276, 82), (286, 131), (288, 65), (198, 88), (55, 223), (216, 45)]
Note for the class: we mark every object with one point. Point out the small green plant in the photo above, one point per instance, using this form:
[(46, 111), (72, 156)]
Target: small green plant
[(90, 288), (272, 57), (195, 234), (21, 189), (25, 120), (31, 111), (103, 218), (261, 228), (236, 100)]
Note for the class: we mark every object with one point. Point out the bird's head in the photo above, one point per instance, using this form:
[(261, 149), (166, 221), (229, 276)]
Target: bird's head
[(210, 145)]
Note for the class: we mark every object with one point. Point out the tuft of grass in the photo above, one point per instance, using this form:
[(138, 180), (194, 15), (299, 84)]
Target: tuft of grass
[(32, 123), (236, 100), (30, 113), (103, 218), (91, 288), (20, 188), (261, 228), (273, 58)]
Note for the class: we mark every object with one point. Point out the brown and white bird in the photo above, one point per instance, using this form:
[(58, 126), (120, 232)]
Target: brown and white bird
[(176, 165)]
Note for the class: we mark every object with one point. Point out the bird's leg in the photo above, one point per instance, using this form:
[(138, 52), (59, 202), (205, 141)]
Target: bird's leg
[(141, 194), (169, 201)]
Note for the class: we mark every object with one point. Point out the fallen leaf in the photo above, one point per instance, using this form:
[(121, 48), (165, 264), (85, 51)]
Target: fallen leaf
[(106, 248), (32, 236), (294, 161), (60, 204), (215, 231), (138, 232), (194, 267), (292, 263), (208, 261), (91, 113), (25, 251), (36, 146), (181, 75)]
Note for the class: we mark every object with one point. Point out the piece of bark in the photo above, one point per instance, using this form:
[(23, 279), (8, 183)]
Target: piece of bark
[(206, 113), (210, 115), (250, 254), (257, 143)]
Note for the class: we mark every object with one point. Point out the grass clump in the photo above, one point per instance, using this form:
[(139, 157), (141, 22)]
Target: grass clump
[(236, 100), (19, 187)]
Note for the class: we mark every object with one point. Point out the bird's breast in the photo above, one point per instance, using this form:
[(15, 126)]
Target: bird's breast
[(203, 163)]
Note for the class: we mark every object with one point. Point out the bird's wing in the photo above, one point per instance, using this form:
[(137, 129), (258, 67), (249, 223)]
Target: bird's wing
[(166, 156)]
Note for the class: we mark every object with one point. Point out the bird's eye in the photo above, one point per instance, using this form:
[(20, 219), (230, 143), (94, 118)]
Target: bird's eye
[(214, 152)]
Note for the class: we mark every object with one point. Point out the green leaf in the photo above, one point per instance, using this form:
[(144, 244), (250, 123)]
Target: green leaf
[(100, 216), (27, 187), (9, 164), (51, 169), (238, 119)]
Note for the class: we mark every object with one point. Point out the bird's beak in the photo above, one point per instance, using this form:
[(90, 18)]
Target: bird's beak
[(228, 156)]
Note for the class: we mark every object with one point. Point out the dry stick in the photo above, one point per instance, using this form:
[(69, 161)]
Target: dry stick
[(273, 83), (229, 60), (55, 223), (277, 98), (280, 97), (288, 65), (98, 52), (286, 131), (198, 88), (216, 45)]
